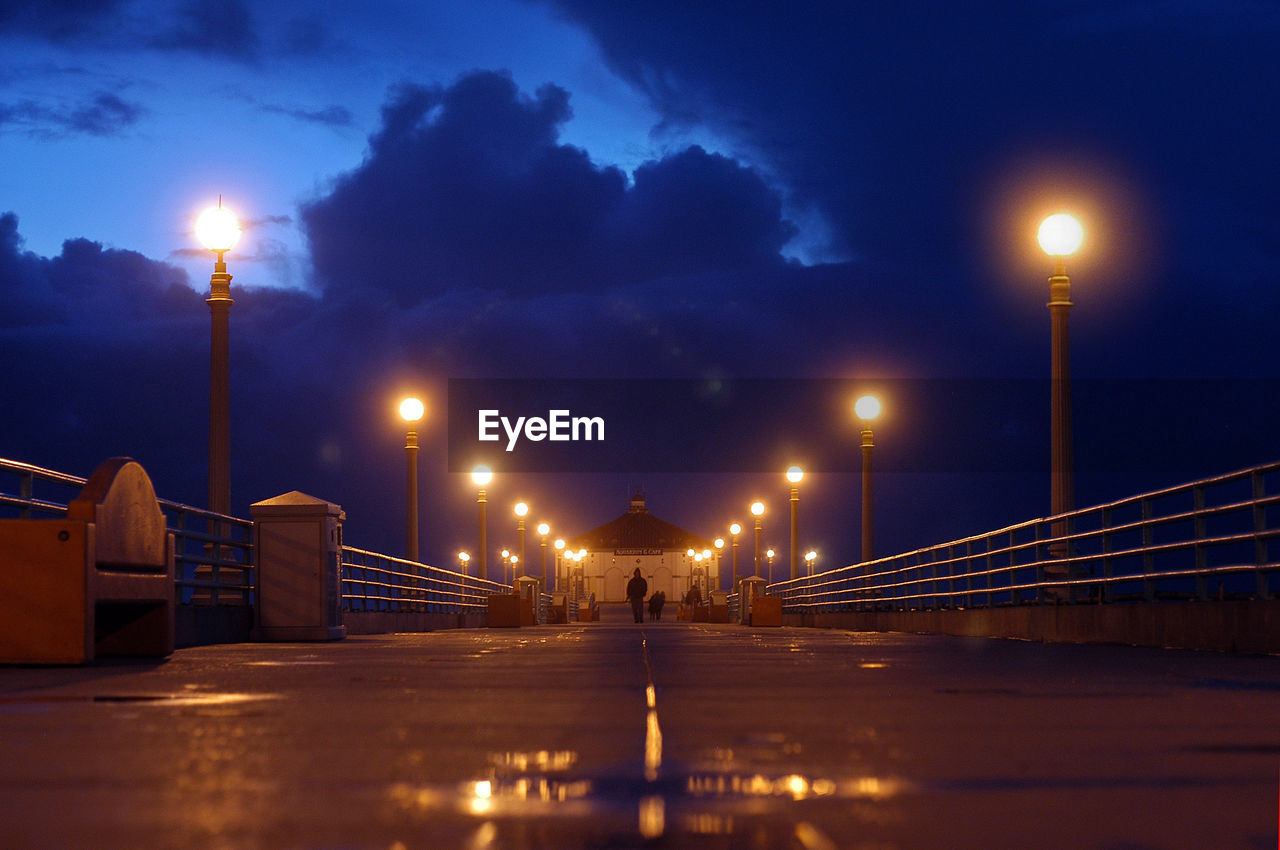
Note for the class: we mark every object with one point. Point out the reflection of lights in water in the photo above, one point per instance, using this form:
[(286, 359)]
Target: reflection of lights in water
[(484, 788), (543, 760), (793, 785), (653, 817), (708, 823), (652, 747), (651, 696), (872, 665)]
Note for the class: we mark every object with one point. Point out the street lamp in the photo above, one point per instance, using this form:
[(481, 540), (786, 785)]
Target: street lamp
[(559, 544), (411, 411), (809, 558), (506, 563), (464, 558), (218, 230), (481, 476), (769, 553), (734, 530), (521, 511), (757, 510), (719, 544), (1060, 236), (794, 475), (543, 531), (867, 409)]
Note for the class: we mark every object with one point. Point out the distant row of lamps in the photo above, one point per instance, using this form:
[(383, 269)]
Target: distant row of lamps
[(1060, 235)]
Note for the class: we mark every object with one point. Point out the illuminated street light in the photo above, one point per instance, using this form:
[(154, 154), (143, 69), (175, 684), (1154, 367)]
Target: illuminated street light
[(809, 558), (464, 558), (719, 544), (795, 474), (757, 510), (867, 408), (481, 476), (412, 411), (506, 564), (734, 531), (543, 531), (769, 553), (521, 511), (559, 547), (218, 231), (1060, 235)]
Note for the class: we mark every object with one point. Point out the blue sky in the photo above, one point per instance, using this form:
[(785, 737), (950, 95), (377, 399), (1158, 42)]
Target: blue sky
[(562, 189)]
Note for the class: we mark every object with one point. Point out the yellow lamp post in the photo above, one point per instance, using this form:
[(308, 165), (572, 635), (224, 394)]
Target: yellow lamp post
[(769, 553), (506, 564), (1060, 236), (559, 547), (463, 559), (521, 511), (734, 530), (218, 230), (481, 476), (719, 544), (412, 411), (810, 558), (867, 408), (543, 530), (795, 474), (515, 564), (757, 511)]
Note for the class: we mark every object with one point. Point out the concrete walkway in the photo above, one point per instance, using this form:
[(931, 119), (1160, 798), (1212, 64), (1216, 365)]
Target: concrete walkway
[(667, 734)]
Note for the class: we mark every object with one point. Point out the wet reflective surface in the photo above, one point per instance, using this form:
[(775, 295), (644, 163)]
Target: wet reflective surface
[(661, 735)]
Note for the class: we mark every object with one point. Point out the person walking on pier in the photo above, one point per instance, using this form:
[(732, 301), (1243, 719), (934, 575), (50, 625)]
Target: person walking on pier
[(636, 590)]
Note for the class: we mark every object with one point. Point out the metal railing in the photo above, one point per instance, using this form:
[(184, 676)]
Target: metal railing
[(374, 582), (213, 553), (1218, 538)]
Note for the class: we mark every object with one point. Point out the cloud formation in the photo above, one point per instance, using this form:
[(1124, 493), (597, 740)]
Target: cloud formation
[(466, 187), (103, 114)]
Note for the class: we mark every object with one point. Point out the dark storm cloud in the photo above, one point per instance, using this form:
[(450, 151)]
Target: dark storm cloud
[(466, 186), (102, 114)]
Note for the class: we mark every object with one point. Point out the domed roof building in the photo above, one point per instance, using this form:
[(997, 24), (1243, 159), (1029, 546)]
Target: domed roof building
[(637, 538)]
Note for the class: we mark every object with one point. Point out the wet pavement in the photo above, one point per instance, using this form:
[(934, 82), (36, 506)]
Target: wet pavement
[(613, 734)]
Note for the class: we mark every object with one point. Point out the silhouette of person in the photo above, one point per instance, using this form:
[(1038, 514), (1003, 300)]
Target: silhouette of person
[(655, 604), (636, 590), (694, 597)]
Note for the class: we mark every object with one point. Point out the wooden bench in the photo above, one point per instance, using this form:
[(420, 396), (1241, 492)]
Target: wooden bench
[(99, 582)]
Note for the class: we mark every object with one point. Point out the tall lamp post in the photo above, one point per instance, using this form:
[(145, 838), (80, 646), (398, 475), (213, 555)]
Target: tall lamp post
[(1060, 236), (809, 558), (769, 553), (411, 411), (481, 476), (543, 530), (734, 530), (559, 546), (719, 544), (463, 559), (867, 409), (218, 230), (521, 511), (757, 510), (794, 475)]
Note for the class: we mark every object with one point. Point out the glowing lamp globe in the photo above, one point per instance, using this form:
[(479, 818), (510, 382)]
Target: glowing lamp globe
[(719, 542), (735, 529), (867, 408), (770, 553), (757, 508), (218, 229), (412, 410), (482, 475), (544, 529), (689, 553), (794, 474), (521, 509), (1060, 235), (506, 553)]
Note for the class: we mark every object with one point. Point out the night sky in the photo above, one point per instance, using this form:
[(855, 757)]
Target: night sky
[(712, 191)]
